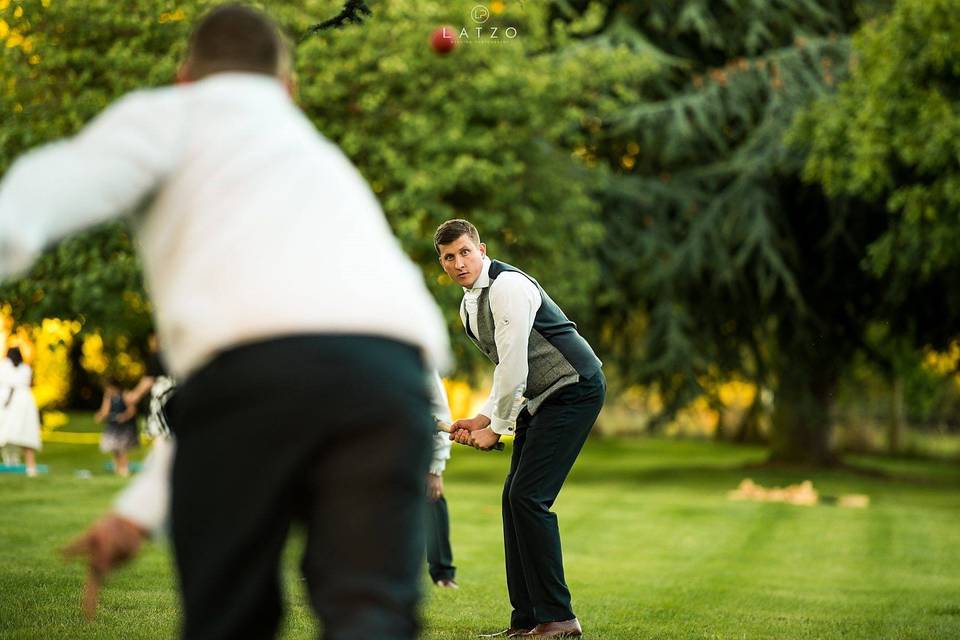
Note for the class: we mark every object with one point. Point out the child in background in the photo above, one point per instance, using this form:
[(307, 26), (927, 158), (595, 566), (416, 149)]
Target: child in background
[(121, 433)]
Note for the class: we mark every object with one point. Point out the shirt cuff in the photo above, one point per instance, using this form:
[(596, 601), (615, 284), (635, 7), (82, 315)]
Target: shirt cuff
[(503, 427), (145, 501), (437, 467), (149, 518)]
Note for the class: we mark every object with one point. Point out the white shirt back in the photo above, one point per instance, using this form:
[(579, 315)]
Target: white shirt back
[(255, 226)]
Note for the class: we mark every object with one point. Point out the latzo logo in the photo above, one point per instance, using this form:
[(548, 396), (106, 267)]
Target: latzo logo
[(481, 32)]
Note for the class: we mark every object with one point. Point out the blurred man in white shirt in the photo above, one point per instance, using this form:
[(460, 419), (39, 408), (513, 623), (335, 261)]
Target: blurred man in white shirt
[(296, 359)]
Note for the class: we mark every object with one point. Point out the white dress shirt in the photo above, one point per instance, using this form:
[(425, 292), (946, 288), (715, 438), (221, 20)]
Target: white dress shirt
[(250, 224), (146, 500), (514, 302)]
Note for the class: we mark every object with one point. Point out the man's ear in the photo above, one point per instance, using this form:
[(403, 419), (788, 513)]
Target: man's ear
[(183, 73), (483, 249), (292, 86)]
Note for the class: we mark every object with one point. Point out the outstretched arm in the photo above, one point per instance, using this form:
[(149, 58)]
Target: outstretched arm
[(107, 169), (104, 409), (142, 388)]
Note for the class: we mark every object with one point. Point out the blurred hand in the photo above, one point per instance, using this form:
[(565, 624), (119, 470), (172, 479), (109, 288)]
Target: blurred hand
[(470, 424), (434, 487), (108, 544)]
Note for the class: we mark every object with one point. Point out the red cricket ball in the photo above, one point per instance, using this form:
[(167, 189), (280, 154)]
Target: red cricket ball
[(444, 39)]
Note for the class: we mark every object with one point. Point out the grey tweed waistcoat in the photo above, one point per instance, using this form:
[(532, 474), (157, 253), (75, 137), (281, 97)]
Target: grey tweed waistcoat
[(557, 356)]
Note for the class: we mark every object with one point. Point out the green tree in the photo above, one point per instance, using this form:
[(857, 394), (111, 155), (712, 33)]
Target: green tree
[(891, 137), (718, 261), (63, 62), (486, 132), (94, 277)]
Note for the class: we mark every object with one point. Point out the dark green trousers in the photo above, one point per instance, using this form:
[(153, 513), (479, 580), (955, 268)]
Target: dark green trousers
[(545, 447), (330, 432), (439, 553)]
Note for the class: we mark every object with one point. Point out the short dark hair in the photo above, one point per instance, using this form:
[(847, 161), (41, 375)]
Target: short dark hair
[(14, 355), (453, 229), (235, 37)]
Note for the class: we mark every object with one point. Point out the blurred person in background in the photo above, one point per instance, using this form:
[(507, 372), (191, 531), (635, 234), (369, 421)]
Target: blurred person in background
[(19, 417), (119, 410)]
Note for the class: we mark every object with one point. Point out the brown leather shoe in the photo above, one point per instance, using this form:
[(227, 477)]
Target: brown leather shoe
[(564, 629), (512, 632)]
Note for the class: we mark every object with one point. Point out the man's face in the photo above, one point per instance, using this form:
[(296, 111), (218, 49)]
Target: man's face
[(462, 259)]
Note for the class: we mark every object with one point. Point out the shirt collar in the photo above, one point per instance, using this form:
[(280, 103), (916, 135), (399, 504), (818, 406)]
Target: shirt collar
[(484, 279), (232, 81)]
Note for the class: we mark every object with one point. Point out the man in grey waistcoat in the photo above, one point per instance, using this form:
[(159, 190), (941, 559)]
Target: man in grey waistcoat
[(548, 389)]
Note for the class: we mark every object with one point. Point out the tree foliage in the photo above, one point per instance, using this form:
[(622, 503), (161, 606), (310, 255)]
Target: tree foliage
[(62, 62), (718, 260), (489, 132), (891, 136)]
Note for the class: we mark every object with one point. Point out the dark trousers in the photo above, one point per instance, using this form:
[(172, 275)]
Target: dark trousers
[(333, 432), (439, 554), (545, 447)]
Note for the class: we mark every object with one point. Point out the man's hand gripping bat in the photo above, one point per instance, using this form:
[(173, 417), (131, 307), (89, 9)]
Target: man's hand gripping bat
[(445, 427)]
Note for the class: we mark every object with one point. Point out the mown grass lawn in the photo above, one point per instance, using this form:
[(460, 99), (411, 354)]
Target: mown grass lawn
[(653, 550)]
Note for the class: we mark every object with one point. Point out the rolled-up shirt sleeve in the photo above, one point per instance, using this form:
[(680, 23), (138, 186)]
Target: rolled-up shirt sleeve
[(106, 170), (514, 302)]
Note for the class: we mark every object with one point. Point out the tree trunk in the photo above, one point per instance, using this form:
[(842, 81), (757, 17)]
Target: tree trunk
[(748, 430), (721, 433), (84, 393), (801, 415), (895, 429)]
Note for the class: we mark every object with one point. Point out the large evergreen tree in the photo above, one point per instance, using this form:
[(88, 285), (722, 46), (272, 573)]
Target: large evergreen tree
[(718, 260)]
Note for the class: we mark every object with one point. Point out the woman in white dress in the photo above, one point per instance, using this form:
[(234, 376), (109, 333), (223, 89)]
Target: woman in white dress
[(19, 418)]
